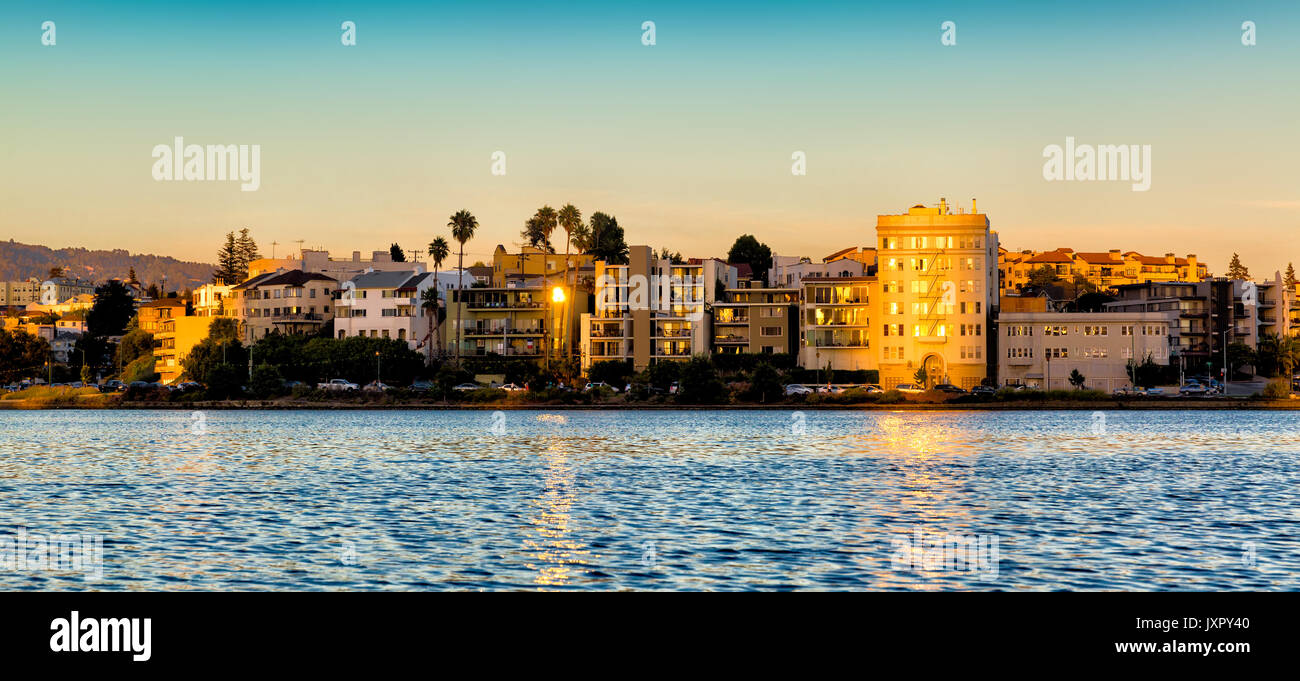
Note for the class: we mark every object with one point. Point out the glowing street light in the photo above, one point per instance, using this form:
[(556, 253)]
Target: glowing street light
[(557, 295)]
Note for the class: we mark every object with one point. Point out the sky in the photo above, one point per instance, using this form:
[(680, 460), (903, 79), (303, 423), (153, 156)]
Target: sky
[(688, 142)]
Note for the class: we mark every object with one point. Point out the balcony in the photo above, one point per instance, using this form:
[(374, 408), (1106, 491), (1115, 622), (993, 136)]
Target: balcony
[(730, 338)]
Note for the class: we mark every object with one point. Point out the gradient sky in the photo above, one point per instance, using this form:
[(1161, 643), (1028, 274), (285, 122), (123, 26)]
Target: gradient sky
[(688, 142)]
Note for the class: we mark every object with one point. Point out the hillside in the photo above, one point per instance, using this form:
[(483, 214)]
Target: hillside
[(19, 261)]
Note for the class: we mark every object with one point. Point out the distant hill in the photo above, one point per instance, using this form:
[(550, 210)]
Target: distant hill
[(19, 261)]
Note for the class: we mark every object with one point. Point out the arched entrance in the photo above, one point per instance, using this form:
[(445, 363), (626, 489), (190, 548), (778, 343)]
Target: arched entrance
[(934, 369)]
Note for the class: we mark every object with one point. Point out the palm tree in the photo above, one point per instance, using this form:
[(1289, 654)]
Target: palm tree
[(429, 301), (538, 231), (570, 218), (462, 225), (438, 252)]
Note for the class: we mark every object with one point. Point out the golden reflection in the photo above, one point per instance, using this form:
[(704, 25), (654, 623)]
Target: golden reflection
[(553, 548)]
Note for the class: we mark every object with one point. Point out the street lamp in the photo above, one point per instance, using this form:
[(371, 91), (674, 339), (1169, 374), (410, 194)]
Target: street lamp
[(377, 361), (557, 298)]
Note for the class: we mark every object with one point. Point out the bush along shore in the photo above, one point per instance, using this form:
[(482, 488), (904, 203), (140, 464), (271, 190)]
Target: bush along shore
[(605, 398)]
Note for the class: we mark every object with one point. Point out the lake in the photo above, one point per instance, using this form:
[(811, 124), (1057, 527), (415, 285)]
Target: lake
[(609, 500)]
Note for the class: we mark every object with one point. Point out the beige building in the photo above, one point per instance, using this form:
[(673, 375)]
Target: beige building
[(1041, 349), (937, 282), (651, 309), (20, 293), (836, 316), (287, 302), (534, 262), (151, 315), (210, 300), (754, 319), (510, 322), (339, 269)]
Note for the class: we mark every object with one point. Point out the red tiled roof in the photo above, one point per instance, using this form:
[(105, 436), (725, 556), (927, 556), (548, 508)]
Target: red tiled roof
[(1059, 255)]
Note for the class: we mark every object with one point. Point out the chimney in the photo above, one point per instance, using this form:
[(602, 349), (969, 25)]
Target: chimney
[(973, 209), (1169, 258), (1191, 267), (356, 256), (943, 206)]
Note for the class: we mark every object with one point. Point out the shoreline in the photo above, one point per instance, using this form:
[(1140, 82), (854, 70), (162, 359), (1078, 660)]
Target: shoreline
[(1163, 404)]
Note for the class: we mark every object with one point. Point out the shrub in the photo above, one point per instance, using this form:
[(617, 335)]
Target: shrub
[(891, 397), (1278, 388)]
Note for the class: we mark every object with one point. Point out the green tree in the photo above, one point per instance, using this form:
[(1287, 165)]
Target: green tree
[(267, 381), (748, 250), (569, 219), (246, 251), (1241, 355), (614, 372), (1040, 277), (662, 373), (396, 253), (700, 384), (227, 271), (607, 239), (86, 374), (1077, 379), (765, 384), (134, 345), (21, 354), (111, 311), (922, 379), (1289, 278), (538, 228), (1236, 270), (462, 224)]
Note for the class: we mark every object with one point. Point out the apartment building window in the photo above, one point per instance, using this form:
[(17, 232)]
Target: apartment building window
[(972, 352), (943, 242), (970, 286), (311, 293), (919, 264), (771, 312), (893, 330), (1126, 330), (279, 293), (1055, 330), (894, 265), (891, 287), (1020, 353), (888, 243), (894, 308), (920, 287), (1057, 353), (1099, 330), (770, 331)]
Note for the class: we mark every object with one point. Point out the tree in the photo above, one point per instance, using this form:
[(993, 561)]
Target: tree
[(580, 235), (21, 354), (922, 379), (1146, 374), (614, 372), (1236, 270), (1289, 278), (246, 249), (675, 257), (1240, 355), (607, 239), (56, 272), (569, 218), (396, 253), (111, 311), (134, 345), (662, 373), (700, 384), (749, 251), (228, 262), (1277, 355), (1079, 286), (130, 277), (1041, 277), (765, 384), (438, 252), (429, 303), (1077, 379), (462, 225)]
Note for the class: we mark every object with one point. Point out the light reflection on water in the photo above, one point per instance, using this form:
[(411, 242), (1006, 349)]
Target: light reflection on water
[(655, 500)]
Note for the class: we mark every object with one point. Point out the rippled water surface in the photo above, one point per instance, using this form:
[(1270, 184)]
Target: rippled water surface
[(656, 500)]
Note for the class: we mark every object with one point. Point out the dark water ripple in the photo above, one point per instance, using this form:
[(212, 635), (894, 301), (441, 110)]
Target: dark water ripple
[(656, 500)]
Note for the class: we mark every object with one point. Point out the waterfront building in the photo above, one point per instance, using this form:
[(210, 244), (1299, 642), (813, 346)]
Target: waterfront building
[(532, 261), (836, 316), (510, 322), (339, 269), (1208, 313), (175, 338), (150, 316), (381, 304), (937, 282), (1105, 270), (210, 300), (290, 301), (788, 271), (755, 319), (651, 309), (1042, 349), (1275, 301)]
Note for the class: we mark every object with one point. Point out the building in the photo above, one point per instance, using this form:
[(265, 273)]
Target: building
[(531, 261), (1105, 270), (79, 302), (754, 319), (380, 304), (651, 309), (1275, 301), (209, 300), (151, 315), (1210, 312), (173, 341), (836, 318), (20, 293), (59, 289), (339, 269), (290, 301), (788, 271), (503, 321), (937, 280), (1042, 349)]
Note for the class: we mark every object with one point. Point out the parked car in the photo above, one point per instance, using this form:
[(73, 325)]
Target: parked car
[(949, 388), (187, 386), (909, 388), (112, 386), (873, 389), (138, 384), (983, 390), (1155, 392), (377, 387), (338, 385), (797, 389), (290, 385), (512, 387), (422, 386), (1193, 389), (467, 387), (598, 384)]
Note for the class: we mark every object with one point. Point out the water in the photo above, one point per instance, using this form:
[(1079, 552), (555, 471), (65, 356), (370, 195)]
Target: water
[(703, 499)]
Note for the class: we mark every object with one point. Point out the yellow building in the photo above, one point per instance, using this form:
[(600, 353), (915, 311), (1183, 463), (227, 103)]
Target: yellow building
[(175, 337), (150, 316), (938, 286), (510, 322), (534, 262), (1105, 270), (836, 316), (22, 292)]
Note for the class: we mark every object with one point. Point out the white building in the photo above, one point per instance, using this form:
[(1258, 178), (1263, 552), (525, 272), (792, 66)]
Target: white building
[(788, 270), (1041, 349), (380, 304)]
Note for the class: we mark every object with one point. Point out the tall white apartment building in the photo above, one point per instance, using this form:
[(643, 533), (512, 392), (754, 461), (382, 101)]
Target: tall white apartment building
[(385, 304)]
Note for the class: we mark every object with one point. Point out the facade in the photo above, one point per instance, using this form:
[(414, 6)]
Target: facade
[(20, 293), (59, 289), (836, 316), (1209, 312), (284, 301), (1104, 269), (210, 300), (937, 278), (754, 319), (788, 271), (1275, 301), (385, 305), (1041, 349), (175, 338), (530, 261), (651, 310), (339, 269), (80, 302), (511, 322), (150, 316)]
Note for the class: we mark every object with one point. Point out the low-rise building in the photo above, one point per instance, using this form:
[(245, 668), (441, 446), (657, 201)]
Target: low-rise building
[(1105, 270), (836, 317), (284, 301), (151, 315), (507, 321), (1042, 349), (175, 338), (59, 289), (20, 293), (340, 269), (380, 304), (210, 300), (754, 319), (788, 271)]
